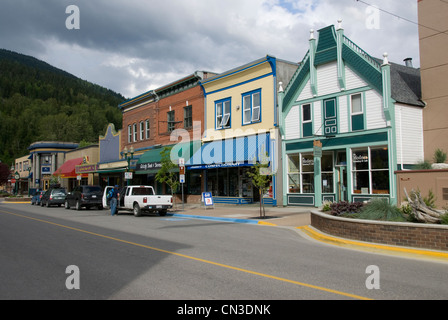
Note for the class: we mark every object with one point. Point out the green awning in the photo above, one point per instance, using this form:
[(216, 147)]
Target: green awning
[(151, 160)]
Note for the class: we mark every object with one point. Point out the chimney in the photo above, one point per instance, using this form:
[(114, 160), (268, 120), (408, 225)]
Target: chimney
[(408, 62)]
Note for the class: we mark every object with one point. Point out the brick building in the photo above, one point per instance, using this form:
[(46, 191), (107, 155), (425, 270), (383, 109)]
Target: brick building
[(163, 117)]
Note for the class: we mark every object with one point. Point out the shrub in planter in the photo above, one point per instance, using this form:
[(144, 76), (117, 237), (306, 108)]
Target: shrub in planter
[(381, 209), (345, 208)]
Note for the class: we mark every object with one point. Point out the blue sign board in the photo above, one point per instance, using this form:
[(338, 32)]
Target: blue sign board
[(207, 198)]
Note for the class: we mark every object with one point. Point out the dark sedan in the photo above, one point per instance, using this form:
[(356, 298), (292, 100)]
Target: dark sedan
[(84, 196), (52, 197)]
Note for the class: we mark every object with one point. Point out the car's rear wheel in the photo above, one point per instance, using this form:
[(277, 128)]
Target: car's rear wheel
[(66, 205), (78, 205), (137, 210)]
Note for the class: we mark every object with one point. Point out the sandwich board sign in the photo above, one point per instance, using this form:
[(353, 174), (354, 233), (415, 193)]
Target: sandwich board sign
[(207, 198)]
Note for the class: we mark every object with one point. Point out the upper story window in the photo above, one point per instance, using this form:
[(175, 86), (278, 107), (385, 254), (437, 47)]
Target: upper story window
[(252, 107), (147, 129), (171, 123), (135, 132), (222, 112), (357, 112), (142, 130), (307, 121), (188, 117), (129, 134)]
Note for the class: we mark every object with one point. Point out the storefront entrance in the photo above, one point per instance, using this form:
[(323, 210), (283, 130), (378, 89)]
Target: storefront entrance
[(341, 172)]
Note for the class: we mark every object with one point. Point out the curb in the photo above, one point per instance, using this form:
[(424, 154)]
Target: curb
[(373, 247), (234, 220)]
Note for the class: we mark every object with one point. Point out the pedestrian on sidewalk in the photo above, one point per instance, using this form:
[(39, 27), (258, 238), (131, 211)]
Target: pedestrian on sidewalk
[(115, 195)]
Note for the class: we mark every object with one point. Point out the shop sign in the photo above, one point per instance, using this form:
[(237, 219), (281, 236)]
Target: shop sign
[(46, 170), (148, 166), (317, 149), (87, 168), (359, 158), (307, 162), (220, 165)]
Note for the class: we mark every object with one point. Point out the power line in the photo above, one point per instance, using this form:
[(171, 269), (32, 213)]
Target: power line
[(403, 18)]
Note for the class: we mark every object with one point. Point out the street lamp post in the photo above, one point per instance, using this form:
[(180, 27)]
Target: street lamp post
[(129, 155)]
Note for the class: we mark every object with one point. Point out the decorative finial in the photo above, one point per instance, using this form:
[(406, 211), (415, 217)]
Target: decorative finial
[(385, 60), (280, 89), (311, 34), (339, 24)]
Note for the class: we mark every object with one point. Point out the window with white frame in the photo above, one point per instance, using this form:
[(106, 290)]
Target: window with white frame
[(147, 129), (135, 132), (357, 113), (307, 121), (370, 172), (129, 133), (301, 173), (142, 130), (222, 110), (252, 107)]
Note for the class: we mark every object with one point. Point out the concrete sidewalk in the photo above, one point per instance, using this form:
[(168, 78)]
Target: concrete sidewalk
[(278, 216)]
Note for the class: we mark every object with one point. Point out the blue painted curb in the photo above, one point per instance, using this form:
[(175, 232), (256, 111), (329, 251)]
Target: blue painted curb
[(248, 221)]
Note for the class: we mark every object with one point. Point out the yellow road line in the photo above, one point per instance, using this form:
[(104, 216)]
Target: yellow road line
[(198, 259), (339, 241)]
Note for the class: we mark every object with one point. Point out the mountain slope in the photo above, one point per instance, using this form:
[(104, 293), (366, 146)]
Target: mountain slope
[(41, 102)]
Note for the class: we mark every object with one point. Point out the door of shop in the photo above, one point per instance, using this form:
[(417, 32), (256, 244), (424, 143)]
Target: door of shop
[(341, 172)]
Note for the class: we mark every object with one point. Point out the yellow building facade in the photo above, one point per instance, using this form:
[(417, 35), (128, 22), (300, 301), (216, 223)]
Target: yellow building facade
[(241, 129)]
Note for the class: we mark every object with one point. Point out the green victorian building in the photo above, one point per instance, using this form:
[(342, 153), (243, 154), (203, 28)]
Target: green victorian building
[(348, 122)]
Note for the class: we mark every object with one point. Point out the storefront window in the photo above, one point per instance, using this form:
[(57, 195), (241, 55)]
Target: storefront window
[(307, 173), (229, 182), (370, 170), (293, 173), (195, 182)]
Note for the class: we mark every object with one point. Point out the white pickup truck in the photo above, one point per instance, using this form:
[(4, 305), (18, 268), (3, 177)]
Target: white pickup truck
[(140, 199)]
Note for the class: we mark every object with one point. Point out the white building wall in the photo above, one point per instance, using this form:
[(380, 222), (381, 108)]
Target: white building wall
[(409, 132), (327, 79), (306, 92), (292, 123), (343, 114), (374, 113), (352, 80)]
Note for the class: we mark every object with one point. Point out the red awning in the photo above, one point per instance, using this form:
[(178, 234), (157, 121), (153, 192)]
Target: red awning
[(67, 170)]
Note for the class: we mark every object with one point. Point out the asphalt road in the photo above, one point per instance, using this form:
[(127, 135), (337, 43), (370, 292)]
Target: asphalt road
[(154, 257)]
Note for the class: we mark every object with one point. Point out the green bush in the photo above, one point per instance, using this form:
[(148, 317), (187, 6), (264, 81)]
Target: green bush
[(444, 218), (423, 165), (326, 206), (439, 156), (381, 209)]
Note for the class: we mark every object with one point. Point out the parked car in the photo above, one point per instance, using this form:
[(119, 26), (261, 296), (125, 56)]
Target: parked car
[(84, 196), (54, 196), (37, 198)]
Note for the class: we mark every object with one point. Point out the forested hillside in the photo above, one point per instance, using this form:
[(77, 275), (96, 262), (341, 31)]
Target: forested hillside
[(41, 102)]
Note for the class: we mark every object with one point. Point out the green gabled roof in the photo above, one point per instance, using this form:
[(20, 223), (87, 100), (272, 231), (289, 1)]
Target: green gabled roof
[(326, 51), (296, 80), (363, 67)]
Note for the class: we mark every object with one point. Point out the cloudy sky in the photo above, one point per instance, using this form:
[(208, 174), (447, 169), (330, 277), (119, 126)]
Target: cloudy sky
[(133, 46)]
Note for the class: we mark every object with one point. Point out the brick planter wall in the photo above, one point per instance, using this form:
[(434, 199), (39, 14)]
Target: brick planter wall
[(425, 236)]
